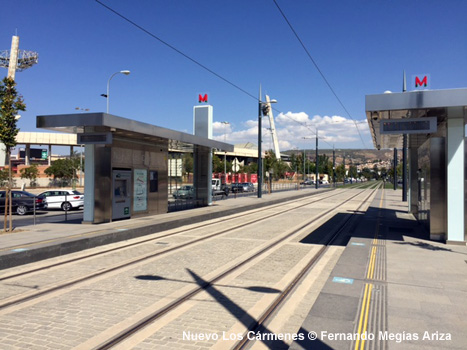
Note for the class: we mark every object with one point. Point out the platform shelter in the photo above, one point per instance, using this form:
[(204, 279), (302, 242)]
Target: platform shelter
[(126, 163), (433, 122)]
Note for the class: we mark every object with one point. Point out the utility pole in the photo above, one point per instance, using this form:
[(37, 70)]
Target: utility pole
[(260, 156), (333, 166), (404, 153), (343, 162), (304, 163), (317, 161)]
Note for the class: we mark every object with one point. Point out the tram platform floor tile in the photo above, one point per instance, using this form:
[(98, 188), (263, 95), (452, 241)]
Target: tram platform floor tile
[(426, 284)]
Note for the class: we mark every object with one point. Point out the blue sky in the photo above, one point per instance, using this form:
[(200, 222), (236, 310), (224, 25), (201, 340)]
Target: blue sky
[(362, 47)]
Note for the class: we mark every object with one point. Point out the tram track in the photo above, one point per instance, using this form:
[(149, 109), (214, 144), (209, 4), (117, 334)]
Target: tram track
[(131, 331), (51, 288), (150, 240), (281, 298)]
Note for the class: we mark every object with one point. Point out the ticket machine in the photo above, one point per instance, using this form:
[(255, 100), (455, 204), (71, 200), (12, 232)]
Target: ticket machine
[(121, 189)]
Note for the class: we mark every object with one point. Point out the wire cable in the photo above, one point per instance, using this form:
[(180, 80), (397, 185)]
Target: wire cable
[(200, 64), (177, 50), (318, 69)]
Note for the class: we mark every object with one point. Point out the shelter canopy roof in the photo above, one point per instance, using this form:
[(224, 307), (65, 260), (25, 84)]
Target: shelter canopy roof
[(126, 128), (413, 104)]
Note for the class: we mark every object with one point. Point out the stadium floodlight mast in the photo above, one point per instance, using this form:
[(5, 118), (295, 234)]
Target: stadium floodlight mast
[(16, 59), (126, 72), (263, 109)]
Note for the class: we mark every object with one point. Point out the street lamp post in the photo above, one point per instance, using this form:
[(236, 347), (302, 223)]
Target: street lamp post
[(263, 109), (333, 166), (225, 152), (343, 162), (126, 72)]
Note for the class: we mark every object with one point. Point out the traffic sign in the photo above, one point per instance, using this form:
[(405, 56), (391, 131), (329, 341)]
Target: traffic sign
[(235, 165)]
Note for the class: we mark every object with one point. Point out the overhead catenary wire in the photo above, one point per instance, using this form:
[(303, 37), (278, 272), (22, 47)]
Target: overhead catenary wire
[(199, 63), (176, 50), (319, 70)]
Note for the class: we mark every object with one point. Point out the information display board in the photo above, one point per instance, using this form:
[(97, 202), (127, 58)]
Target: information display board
[(140, 190), (409, 126)]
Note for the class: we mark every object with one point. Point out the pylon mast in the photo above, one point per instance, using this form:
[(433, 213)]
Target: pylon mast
[(16, 59), (273, 130)]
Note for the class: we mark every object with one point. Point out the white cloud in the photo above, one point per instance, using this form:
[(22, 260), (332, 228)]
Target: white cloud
[(298, 130), (221, 128)]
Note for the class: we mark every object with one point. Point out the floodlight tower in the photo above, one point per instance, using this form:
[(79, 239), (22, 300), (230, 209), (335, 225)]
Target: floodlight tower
[(16, 59), (273, 129)]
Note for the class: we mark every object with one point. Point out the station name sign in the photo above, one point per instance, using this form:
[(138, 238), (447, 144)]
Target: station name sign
[(409, 126), (104, 138)]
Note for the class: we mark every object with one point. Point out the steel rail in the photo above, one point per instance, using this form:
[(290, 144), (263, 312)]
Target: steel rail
[(277, 303), (161, 312), (62, 285), (149, 240)]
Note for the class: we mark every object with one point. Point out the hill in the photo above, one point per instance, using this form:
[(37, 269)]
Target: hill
[(357, 156)]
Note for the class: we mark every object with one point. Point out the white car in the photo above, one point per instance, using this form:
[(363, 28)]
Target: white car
[(64, 199)]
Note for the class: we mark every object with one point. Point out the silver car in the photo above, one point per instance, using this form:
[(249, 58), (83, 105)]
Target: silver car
[(64, 199)]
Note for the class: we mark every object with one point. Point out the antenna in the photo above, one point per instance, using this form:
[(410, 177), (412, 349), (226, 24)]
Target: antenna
[(404, 83)]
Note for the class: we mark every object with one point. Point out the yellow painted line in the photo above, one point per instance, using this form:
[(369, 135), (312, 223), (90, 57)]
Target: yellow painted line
[(365, 310), (361, 316), (371, 267), (365, 323)]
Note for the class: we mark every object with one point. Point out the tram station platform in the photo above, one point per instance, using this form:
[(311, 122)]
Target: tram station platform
[(391, 285), (31, 243)]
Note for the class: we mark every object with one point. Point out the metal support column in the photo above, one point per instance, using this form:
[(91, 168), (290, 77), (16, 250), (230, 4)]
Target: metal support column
[(455, 180), (27, 155), (394, 175), (404, 169)]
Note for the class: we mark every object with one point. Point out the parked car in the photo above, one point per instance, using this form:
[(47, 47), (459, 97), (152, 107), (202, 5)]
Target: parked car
[(242, 187), (219, 189), (236, 187), (23, 202), (307, 182), (248, 187), (64, 199), (184, 192)]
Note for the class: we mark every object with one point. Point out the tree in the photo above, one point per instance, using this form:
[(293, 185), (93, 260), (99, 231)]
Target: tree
[(340, 172), (353, 172), (188, 163), (10, 104), (280, 169), (3, 177), (30, 173), (375, 172), (367, 174), (251, 168), (62, 169), (217, 164)]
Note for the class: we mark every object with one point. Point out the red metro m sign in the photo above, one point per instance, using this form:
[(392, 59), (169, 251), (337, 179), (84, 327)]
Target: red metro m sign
[(421, 82), (202, 98)]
